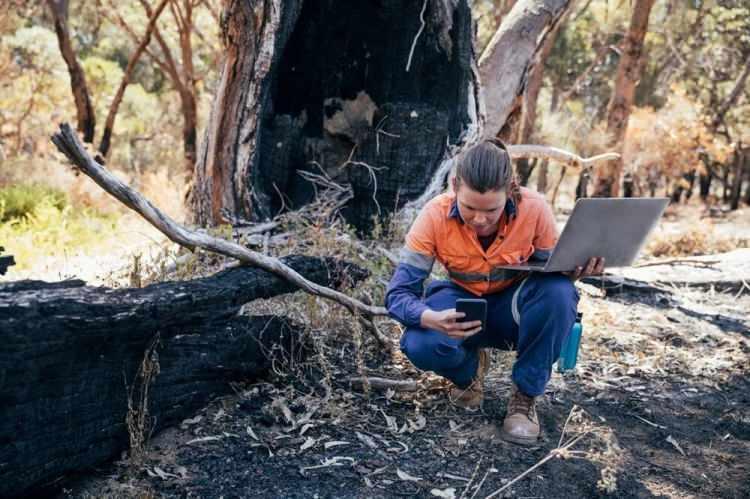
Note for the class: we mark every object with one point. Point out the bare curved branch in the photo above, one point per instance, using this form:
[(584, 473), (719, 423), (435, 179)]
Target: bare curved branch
[(561, 155), (68, 143)]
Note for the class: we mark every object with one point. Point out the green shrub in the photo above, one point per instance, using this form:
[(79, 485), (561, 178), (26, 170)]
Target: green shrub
[(21, 201)]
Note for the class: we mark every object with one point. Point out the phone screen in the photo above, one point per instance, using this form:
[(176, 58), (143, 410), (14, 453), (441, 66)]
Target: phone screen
[(474, 308)]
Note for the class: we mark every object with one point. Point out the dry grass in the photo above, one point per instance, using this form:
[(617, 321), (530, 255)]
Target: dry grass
[(696, 241), (140, 425)]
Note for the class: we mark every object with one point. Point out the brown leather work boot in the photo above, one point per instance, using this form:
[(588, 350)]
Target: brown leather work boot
[(472, 396), (521, 425)]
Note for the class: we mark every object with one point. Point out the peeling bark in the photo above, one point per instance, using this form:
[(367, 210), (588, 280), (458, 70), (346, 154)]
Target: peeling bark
[(506, 62), (250, 32)]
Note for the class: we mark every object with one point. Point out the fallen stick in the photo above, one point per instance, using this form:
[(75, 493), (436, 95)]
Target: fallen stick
[(556, 452), (401, 385), (678, 261), (69, 144)]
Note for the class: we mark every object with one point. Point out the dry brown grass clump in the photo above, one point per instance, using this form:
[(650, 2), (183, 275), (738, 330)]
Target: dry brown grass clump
[(696, 241)]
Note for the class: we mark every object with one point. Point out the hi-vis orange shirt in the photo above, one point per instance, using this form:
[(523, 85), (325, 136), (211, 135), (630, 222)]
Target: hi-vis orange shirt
[(526, 231)]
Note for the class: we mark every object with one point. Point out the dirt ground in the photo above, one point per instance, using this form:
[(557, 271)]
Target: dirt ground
[(660, 399), (665, 393)]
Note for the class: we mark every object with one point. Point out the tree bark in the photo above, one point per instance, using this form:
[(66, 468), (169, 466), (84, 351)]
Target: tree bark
[(63, 373), (511, 54), (541, 180), (740, 162), (623, 95), (734, 94), (85, 116)]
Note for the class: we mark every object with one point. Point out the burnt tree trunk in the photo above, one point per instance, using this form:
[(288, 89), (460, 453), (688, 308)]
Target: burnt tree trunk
[(740, 163), (582, 188), (623, 95), (378, 96), (628, 185), (324, 85), (704, 182), (68, 350), (5, 261)]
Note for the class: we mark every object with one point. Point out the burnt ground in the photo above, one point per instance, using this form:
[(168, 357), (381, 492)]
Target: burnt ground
[(662, 389)]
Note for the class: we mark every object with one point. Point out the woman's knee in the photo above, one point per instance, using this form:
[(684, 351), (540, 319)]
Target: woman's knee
[(558, 289)]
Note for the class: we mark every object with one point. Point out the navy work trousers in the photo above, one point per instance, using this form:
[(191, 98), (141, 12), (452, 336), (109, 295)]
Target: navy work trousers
[(534, 316)]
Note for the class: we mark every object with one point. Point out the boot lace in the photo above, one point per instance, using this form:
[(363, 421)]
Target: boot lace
[(520, 403)]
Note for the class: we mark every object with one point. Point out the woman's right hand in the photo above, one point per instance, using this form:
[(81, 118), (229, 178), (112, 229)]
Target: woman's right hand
[(446, 321)]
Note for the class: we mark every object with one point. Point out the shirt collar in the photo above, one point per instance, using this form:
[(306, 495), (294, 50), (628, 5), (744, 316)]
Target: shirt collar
[(510, 210)]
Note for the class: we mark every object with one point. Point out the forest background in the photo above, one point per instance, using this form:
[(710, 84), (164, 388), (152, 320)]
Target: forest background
[(687, 136)]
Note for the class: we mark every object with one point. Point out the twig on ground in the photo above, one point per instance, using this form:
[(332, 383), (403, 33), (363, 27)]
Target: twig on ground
[(452, 476), (401, 385), (481, 482), (379, 130), (649, 422), (672, 441), (246, 228), (744, 286), (679, 261), (556, 452), (565, 426), (473, 476), (370, 326)]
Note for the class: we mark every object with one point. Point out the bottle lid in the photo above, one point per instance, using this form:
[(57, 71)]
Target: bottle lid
[(579, 316)]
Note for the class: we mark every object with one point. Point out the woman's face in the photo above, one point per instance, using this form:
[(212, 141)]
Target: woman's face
[(480, 211)]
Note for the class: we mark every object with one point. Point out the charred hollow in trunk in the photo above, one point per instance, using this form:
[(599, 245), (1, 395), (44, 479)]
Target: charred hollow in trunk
[(336, 89)]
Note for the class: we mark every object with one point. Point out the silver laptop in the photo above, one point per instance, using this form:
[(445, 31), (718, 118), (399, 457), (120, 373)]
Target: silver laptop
[(613, 228)]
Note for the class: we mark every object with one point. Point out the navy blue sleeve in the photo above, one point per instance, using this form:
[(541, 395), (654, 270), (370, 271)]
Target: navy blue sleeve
[(403, 299)]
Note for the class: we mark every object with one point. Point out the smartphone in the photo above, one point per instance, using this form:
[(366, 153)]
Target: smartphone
[(474, 308)]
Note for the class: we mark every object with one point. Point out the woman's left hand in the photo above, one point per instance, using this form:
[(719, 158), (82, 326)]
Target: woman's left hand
[(595, 266)]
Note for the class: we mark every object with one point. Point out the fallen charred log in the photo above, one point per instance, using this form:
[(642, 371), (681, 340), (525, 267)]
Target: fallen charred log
[(70, 357)]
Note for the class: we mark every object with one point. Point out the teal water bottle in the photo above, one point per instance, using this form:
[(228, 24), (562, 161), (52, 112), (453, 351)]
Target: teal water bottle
[(569, 351)]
